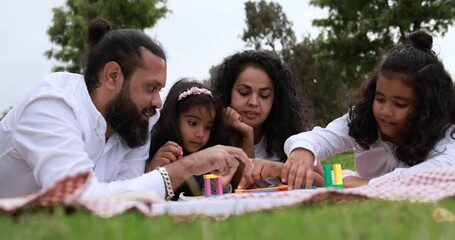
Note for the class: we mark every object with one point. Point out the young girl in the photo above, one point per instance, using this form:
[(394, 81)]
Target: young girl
[(402, 123), (263, 106), (190, 120)]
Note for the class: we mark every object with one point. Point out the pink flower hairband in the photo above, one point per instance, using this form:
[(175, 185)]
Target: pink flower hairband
[(194, 91)]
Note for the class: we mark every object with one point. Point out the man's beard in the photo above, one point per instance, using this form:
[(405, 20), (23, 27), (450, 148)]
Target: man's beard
[(123, 117)]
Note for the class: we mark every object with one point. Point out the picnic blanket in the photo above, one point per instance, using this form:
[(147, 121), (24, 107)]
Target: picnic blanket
[(426, 186)]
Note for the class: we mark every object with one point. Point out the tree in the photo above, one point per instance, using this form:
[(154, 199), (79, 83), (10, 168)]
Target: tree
[(70, 23), (269, 29), (267, 26), (321, 82), (357, 32)]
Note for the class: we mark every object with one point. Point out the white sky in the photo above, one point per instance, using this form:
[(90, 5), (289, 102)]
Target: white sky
[(197, 35)]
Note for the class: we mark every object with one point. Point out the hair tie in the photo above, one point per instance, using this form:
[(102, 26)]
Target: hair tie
[(194, 91)]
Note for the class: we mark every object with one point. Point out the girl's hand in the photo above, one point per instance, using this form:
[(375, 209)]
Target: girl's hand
[(233, 119), (353, 181), (168, 153), (262, 169), (298, 169)]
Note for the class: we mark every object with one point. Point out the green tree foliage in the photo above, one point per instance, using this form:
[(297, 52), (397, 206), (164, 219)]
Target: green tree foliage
[(267, 26), (269, 29), (321, 82), (70, 22), (357, 32)]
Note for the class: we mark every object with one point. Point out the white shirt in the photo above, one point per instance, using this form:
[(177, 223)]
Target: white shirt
[(378, 161), (56, 131)]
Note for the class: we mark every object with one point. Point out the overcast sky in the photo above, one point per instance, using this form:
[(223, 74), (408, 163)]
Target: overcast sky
[(197, 35)]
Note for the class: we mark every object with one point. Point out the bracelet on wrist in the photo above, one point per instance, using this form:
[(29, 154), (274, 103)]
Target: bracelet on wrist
[(167, 182)]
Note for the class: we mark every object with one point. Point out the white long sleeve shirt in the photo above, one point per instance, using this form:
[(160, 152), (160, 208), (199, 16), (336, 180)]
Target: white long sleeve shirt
[(378, 161), (56, 131)]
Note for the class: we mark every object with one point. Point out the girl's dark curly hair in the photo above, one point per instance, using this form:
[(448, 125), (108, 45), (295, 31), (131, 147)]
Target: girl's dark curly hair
[(289, 115), (166, 129), (435, 107)]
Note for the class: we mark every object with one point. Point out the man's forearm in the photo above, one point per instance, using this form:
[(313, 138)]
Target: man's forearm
[(179, 171)]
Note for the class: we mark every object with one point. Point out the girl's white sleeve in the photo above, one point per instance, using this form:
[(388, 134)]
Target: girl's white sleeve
[(443, 155), (323, 142)]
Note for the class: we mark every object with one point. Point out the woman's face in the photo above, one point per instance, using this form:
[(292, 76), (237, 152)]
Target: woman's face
[(252, 96), (393, 105)]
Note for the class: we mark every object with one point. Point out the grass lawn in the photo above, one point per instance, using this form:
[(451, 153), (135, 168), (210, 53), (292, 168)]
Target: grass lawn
[(369, 219)]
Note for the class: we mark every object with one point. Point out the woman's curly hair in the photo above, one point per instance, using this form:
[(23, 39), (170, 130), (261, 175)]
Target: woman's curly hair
[(435, 108), (289, 114)]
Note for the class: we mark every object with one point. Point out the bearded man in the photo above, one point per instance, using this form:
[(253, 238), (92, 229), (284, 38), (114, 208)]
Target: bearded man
[(99, 122)]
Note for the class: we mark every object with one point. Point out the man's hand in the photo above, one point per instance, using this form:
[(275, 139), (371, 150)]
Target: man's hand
[(298, 169), (353, 181), (262, 170), (219, 160), (168, 153)]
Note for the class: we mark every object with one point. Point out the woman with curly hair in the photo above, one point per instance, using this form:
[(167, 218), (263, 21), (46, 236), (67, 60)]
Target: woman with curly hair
[(263, 107), (402, 123)]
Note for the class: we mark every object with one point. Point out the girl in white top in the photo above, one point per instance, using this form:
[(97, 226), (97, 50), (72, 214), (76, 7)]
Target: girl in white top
[(402, 123)]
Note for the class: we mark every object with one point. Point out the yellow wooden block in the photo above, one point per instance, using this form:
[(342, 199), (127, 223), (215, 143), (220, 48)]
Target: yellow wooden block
[(337, 174), (210, 176)]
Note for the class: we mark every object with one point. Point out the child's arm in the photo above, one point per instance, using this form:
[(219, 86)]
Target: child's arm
[(233, 119), (443, 155), (298, 169), (313, 145), (168, 153), (353, 181)]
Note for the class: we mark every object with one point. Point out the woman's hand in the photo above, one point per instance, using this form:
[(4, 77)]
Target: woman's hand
[(262, 169), (168, 153), (233, 119)]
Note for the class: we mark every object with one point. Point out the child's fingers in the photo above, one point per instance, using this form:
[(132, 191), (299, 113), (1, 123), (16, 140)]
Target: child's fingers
[(309, 178), (285, 171), (169, 152), (170, 144), (291, 176), (300, 176), (172, 148), (170, 157)]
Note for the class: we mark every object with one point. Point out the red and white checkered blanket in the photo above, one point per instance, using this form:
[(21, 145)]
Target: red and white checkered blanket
[(427, 186)]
